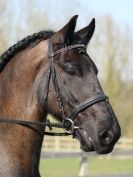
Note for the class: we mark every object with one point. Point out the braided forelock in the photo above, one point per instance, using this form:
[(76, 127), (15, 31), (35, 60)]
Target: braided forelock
[(23, 44)]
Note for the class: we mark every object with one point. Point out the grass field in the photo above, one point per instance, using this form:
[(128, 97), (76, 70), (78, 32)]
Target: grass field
[(69, 167)]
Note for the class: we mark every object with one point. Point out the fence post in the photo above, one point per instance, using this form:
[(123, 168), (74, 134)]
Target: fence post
[(83, 172)]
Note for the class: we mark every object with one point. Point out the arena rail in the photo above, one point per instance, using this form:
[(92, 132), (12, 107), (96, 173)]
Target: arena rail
[(67, 144)]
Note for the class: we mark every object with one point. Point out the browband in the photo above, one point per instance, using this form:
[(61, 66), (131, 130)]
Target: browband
[(52, 54)]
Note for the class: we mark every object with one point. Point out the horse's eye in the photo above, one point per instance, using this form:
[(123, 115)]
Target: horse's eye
[(82, 51), (70, 69)]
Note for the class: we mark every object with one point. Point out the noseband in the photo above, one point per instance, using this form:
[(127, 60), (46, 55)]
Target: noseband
[(68, 121)]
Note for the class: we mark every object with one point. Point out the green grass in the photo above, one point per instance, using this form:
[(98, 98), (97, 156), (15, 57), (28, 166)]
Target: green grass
[(68, 167)]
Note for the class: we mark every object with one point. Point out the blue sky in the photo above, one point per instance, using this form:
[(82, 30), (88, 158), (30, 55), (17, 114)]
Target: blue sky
[(120, 10)]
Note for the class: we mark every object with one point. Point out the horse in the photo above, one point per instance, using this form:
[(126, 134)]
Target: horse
[(51, 73)]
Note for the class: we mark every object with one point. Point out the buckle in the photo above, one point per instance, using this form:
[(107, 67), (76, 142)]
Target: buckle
[(68, 125)]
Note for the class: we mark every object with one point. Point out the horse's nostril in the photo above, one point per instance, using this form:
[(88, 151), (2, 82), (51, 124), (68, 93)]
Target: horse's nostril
[(106, 137)]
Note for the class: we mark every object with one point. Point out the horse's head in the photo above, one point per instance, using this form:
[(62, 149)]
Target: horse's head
[(76, 86)]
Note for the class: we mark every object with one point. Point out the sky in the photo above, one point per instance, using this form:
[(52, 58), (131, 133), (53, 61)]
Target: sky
[(120, 10)]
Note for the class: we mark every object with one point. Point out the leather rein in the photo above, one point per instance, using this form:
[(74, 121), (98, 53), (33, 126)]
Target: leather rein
[(68, 121)]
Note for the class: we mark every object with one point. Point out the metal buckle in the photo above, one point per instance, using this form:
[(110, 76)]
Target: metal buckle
[(68, 125)]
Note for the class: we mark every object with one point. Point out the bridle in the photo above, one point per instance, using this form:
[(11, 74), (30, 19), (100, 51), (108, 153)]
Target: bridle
[(68, 121)]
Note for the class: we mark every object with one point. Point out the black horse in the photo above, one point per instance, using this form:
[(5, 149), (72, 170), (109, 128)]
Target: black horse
[(52, 73)]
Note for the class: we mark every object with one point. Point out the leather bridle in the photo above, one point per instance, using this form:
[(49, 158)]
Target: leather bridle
[(68, 121)]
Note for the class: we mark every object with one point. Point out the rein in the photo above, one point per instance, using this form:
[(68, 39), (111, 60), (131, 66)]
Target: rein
[(68, 122)]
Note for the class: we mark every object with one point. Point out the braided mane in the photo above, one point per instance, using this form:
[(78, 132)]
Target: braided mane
[(23, 44)]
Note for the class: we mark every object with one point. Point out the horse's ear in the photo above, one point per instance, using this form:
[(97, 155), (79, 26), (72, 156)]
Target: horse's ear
[(86, 33), (65, 35)]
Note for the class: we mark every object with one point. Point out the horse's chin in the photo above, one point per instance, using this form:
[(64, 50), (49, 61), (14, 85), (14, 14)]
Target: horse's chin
[(87, 144)]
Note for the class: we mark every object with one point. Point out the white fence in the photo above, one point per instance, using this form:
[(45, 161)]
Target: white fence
[(60, 144), (67, 144), (125, 144)]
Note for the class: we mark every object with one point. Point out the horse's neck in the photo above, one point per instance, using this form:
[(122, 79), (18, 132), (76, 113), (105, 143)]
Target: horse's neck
[(20, 144)]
